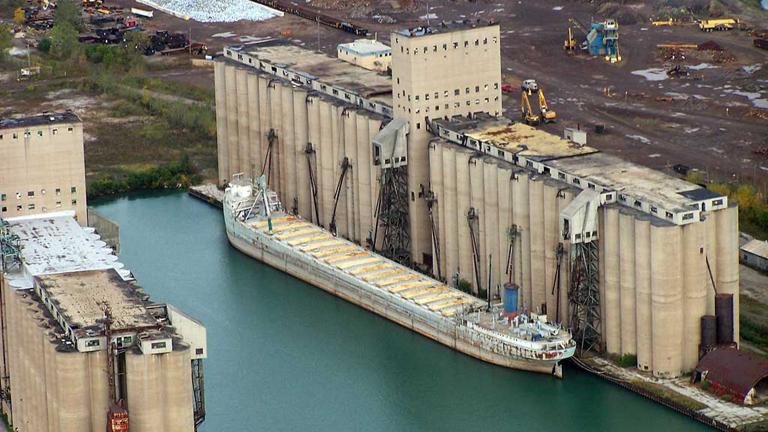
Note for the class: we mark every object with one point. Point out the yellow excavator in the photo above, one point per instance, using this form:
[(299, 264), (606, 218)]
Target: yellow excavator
[(529, 88)]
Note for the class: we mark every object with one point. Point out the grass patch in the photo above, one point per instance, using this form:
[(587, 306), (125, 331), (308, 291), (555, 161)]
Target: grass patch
[(175, 175), (753, 321), (668, 394), (625, 360), (171, 87)]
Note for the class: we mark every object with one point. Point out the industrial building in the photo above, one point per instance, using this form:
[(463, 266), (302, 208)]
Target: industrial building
[(366, 53), (42, 165), (754, 254), (423, 168), (83, 347)]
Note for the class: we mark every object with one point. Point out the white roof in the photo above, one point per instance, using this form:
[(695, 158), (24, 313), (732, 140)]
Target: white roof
[(366, 46), (54, 243)]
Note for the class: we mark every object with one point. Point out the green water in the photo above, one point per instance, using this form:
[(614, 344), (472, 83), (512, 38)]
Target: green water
[(285, 356)]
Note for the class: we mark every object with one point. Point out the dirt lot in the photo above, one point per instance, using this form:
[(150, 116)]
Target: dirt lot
[(706, 121)]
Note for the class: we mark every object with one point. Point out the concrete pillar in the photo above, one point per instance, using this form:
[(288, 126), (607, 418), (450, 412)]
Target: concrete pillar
[(243, 122), (436, 186), (365, 198), (233, 149), (313, 120), (667, 299), (521, 218), (728, 258), (97, 365), (265, 119), (627, 294), (177, 390), (349, 136), (222, 122), (494, 234), (288, 150), (326, 160), (537, 260), (477, 200), (145, 390), (275, 104), (551, 238), (300, 139), (73, 391), (563, 315), (612, 299), (695, 291), (643, 293), (710, 254), (462, 205), (418, 177), (254, 124), (450, 212), (504, 188), (374, 126)]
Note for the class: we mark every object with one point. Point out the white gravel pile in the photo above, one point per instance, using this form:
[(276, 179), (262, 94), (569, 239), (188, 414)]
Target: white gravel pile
[(214, 10)]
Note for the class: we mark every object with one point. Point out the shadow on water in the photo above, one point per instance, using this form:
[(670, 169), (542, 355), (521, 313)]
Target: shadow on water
[(284, 355)]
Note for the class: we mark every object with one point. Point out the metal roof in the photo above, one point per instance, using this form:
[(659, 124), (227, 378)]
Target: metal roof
[(366, 47), (757, 247), (737, 371)]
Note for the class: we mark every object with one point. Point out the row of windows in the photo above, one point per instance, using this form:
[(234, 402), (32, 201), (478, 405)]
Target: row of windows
[(355, 54), (27, 134), (31, 194), (19, 207), (446, 93), (445, 46), (456, 105)]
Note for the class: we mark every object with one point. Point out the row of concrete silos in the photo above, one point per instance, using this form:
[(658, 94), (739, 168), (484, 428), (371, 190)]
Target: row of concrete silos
[(312, 137), (58, 390), (501, 196), (655, 282)]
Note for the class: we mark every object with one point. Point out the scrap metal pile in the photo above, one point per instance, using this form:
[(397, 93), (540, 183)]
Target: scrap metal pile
[(214, 11)]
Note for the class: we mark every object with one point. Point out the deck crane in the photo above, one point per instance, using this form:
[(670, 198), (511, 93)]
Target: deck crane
[(529, 88)]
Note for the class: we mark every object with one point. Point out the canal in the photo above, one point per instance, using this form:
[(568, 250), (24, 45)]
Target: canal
[(286, 356)]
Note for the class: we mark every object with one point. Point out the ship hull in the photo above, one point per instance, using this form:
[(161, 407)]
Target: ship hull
[(278, 256)]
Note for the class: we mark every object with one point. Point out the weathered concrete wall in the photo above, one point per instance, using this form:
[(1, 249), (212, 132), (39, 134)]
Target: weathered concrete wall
[(654, 284), (251, 105), (57, 391), (107, 229)]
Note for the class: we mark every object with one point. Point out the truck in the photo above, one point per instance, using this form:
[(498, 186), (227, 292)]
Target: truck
[(719, 24), (142, 12)]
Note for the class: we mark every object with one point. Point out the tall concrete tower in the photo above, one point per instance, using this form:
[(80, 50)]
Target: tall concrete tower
[(438, 72)]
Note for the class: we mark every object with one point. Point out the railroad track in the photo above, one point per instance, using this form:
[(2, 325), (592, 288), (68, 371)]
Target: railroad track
[(306, 13)]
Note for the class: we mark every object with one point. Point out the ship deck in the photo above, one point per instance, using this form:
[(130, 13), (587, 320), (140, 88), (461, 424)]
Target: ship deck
[(368, 267)]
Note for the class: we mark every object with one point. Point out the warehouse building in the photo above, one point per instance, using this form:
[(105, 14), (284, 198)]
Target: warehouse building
[(754, 254), (424, 169), (42, 165), (367, 53), (83, 347)]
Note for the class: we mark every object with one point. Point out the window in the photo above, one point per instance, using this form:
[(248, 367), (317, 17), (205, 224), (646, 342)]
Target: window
[(73, 190), (717, 202), (576, 181), (688, 216), (74, 202), (437, 95), (18, 208), (456, 92), (31, 194), (198, 351), (15, 135), (466, 90), (485, 41), (58, 204), (638, 204), (39, 133), (70, 129), (426, 96), (1, 136), (18, 195), (670, 215), (622, 198), (654, 210), (418, 125), (58, 191), (158, 345), (466, 44), (92, 343), (55, 131), (477, 89), (3, 197), (561, 176), (495, 86), (31, 207), (5, 209)]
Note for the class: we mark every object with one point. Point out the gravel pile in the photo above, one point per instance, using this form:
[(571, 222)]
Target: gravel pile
[(214, 11)]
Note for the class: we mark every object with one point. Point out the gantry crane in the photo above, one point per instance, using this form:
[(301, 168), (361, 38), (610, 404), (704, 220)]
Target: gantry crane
[(529, 88)]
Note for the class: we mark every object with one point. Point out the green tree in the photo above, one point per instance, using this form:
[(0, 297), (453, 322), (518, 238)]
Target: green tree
[(44, 45), (6, 38), (67, 12), (64, 43)]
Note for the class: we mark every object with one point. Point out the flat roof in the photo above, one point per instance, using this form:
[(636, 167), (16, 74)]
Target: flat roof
[(757, 247), (38, 119), (82, 296), (445, 27), (324, 68), (55, 243), (635, 180), (518, 138), (366, 47)]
